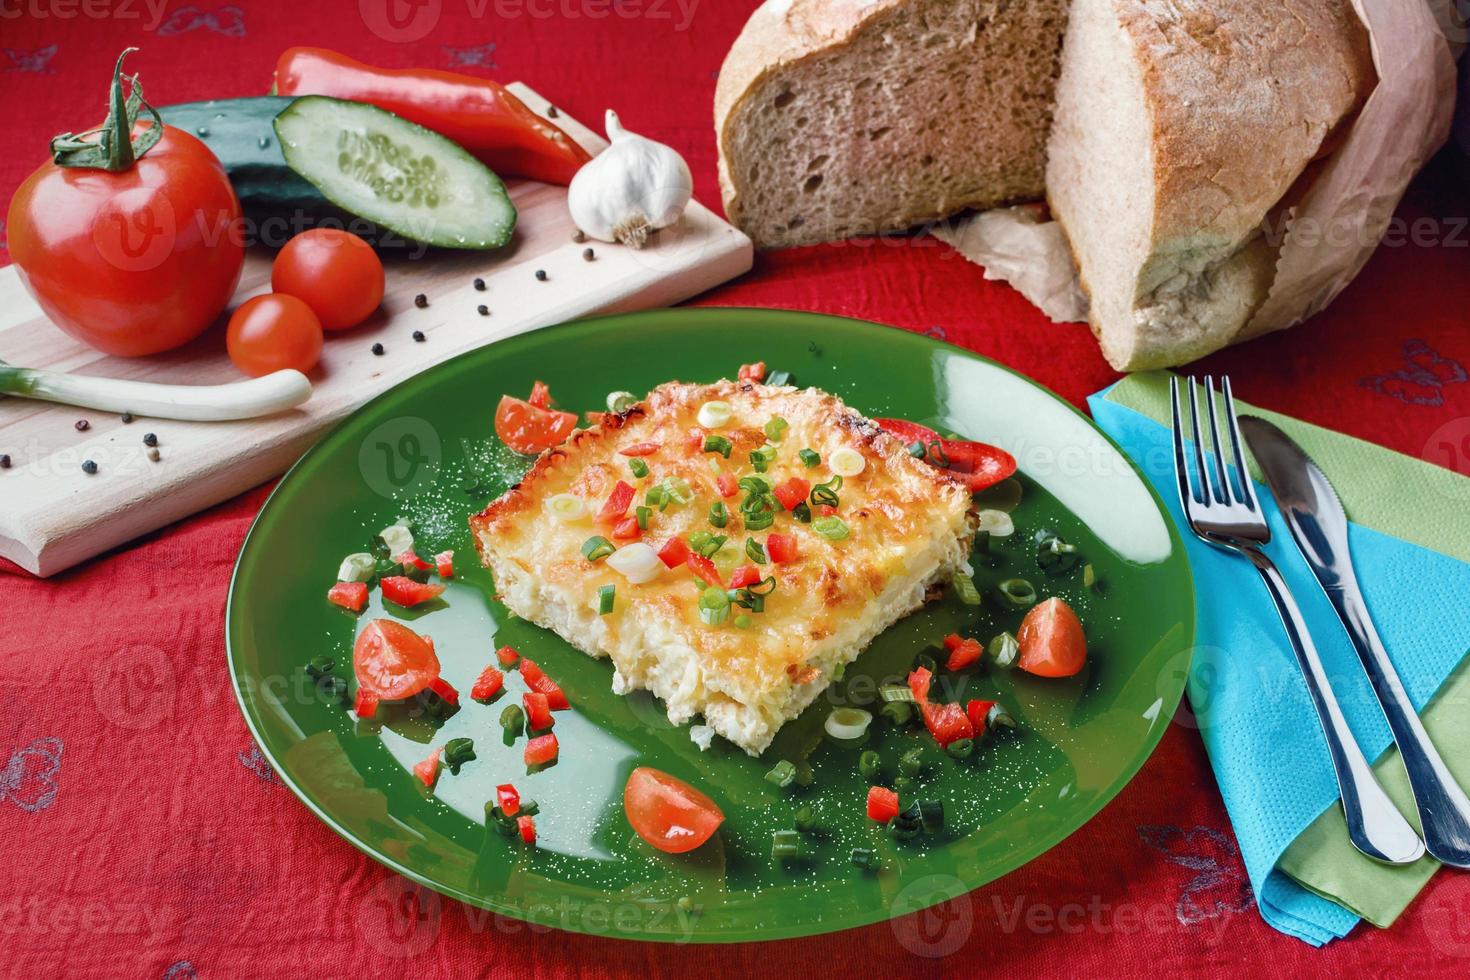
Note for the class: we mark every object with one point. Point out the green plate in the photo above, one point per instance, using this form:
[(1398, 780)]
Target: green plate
[(426, 451)]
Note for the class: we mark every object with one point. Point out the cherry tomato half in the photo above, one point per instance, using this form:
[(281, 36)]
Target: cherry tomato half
[(272, 333), (332, 271), (393, 662), (669, 813), (1051, 641), (528, 429)]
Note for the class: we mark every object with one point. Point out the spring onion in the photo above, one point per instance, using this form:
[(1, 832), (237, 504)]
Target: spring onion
[(925, 661), (759, 520), (597, 547), (397, 539), (846, 461), (917, 450), (638, 468), (361, 567), (619, 402), (785, 844), (1090, 579), (906, 825), (742, 622), (636, 562), (778, 379), (825, 494), (802, 513), (707, 544), (714, 414), (960, 748), (810, 458), (911, 763), (714, 606), (847, 724), (267, 395), (656, 496), (897, 712), (870, 765), (529, 808), (458, 751), (775, 427), (998, 716), (606, 595), (1003, 650), (865, 858), (513, 719), (891, 693), (566, 507), (964, 589), (320, 667), (831, 528), (755, 551), (718, 444), (805, 819), (1055, 556), (642, 514), (755, 484), (762, 458), (677, 489), (995, 523), (1017, 592), (931, 815), (782, 774), (719, 514)]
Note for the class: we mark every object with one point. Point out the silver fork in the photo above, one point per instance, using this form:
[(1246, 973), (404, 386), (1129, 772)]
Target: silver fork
[(1229, 517)]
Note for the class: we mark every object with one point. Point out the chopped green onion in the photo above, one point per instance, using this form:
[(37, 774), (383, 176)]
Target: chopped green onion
[(529, 808), (937, 455), (810, 457), (802, 513), (759, 520), (742, 622), (755, 551), (1090, 579), (778, 379), (657, 496), (785, 844), (458, 751), (639, 467), (898, 712), (1017, 592), (605, 597), (496, 817), (359, 567), (831, 528), (805, 819), (931, 815), (870, 765), (755, 484), (896, 692), (926, 661), (320, 668), (714, 414), (964, 589), (775, 427), (911, 763), (960, 748), (677, 489), (619, 402), (998, 715), (847, 724), (906, 825), (782, 774), (762, 458), (865, 858), (1055, 556), (718, 444), (642, 514), (714, 606), (707, 544), (513, 719), (917, 450), (826, 493), (597, 547), (719, 514), (1003, 650)]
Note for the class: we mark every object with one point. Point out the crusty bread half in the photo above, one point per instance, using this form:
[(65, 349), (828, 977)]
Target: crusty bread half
[(838, 118), (1178, 128)]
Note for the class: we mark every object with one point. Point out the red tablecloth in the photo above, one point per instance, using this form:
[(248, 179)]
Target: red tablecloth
[(151, 839)]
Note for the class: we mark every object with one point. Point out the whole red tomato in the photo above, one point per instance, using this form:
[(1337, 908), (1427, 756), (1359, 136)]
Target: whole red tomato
[(136, 260)]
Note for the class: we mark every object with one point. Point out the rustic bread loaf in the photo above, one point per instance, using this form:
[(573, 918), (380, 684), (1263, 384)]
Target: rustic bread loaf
[(838, 118), (1178, 128)]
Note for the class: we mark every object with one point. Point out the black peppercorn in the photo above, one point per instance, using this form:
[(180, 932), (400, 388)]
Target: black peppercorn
[(418, 335), (127, 418), (378, 349), (89, 467), (4, 461), (578, 235), (588, 254), (83, 425), (151, 439), (479, 284), (421, 301), (551, 112), (483, 310), (541, 275)]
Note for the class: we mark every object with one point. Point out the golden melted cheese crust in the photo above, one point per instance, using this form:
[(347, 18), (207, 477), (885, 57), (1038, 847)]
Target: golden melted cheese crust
[(911, 527)]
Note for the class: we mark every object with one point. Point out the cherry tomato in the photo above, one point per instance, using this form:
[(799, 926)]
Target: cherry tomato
[(393, 662), (669, 813), (332, 271), (272, 333), (528, 429), (1051, 641)]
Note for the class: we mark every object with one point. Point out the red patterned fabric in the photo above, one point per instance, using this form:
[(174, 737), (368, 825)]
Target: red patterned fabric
[(146, 837)]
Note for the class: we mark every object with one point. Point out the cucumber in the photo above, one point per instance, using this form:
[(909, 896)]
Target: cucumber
[(395, 173)]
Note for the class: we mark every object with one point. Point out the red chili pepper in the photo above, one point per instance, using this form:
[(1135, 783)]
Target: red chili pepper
[(366, 704), (727, 485), (506, 656), (428, 770), (627, 529), (753, 372), (445, 690), (527, 827), (963, 655), (541, 750), (781, 548), (349, 595), (490, 683), (538, 710), (540, 395), (674, 553), (478, 114), (617, 503), (793, 492), (444, 564), (882, 804), (508, 798), (640, 449), (745, 575), (406, 592), (705, 569)]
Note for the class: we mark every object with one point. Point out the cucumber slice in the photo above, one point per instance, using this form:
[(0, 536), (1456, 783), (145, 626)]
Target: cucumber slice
[(395, 173)]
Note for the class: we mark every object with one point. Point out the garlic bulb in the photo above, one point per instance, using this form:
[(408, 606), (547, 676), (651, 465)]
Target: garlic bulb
[(629, 190)]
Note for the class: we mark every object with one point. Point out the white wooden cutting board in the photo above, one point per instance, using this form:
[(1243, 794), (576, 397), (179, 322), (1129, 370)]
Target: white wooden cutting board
[(53, 515)]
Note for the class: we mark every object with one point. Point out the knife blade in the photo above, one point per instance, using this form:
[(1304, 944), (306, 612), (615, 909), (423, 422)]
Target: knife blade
[(1319, 526)]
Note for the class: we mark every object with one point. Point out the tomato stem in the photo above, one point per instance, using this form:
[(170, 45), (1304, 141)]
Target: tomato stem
[(114, 147)]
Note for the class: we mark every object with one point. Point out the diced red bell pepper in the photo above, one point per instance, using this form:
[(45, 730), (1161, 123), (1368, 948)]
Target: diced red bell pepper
[(674, 553), (977, 712), (745, 575), (531, 672), (919, 681), (781, 548), (349, 595), (538, 710), (428, 770), (556, 698), (527, 827), (541, 750), (445, 690), (409, 559), (966, 654), (627, 529), (727, 485), (640, 449), (406, 592), (444, 564), (793, 492), (540, 395), (947, 722), (366, 704), (508, 799), (506, 656), (705, 569), (490, 683), (752, 372), (882, 804), (694, 442), (952, 641), (825, 510), (617, 503)]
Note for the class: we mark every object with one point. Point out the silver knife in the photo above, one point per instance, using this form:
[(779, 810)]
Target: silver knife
[(1319, 526)]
